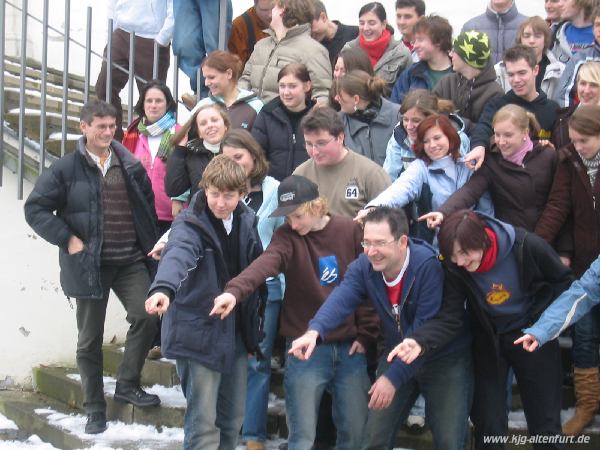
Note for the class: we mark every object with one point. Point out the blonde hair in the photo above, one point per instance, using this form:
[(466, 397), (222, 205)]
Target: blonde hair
[(589, 72), (224, 174), (318, 207), (519, 117)]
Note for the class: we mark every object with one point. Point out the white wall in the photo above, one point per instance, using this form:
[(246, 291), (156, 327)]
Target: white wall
[(37, 325)]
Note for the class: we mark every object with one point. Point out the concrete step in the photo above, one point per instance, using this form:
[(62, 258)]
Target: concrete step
[(34, 71), (33, 101), (32, 124), (10, 80), (63, 427)]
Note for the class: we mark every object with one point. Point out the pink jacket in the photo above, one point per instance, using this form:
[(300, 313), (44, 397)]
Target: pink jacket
[(156, 172)]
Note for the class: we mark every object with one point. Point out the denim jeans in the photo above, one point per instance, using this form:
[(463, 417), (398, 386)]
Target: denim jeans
[(130, 283), (447, 386), (196, 33), (259, 377), (215, 403), (345, 376), (586, 337)]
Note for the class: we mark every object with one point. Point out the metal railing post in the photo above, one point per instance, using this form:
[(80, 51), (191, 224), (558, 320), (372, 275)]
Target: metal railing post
[(2, 102), (155, 62), (198, 83), (65, 99), (131, 78), (21, 159), (88, 55), (43, 90), (222, 24), (109, 63), (176, 82)]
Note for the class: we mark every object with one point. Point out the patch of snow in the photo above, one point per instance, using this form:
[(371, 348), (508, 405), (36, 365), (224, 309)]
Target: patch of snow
[(7, 424), (516, 420), (276, 405), (117, 432), (57, 136), (38, 94), (36, 112), (169, 396), (32, 443)]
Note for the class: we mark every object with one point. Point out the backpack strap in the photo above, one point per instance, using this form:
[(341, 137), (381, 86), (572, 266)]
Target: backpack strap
[(250, 28)]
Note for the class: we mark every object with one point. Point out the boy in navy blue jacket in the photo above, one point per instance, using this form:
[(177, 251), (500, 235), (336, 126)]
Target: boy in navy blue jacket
[(404, 280), (210, 242)]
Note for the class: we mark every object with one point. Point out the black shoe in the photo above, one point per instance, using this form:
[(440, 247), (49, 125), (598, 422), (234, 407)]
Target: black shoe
[(131, 393), (96, 423)]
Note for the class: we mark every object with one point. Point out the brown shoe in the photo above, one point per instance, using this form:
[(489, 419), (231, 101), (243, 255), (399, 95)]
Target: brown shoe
[(587, 395), (189, 100), (255, 445), (154, 353)]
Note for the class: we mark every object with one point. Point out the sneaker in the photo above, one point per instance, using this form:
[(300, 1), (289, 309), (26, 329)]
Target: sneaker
[(415, 424), (255, 445), (154, 353), (130, 393), (96, 423), (189, 100)]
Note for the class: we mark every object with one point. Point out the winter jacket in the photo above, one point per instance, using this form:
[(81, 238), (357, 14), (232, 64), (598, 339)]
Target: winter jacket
[(266, 227), (543, 277), (421, 298), (270, 56), (572, 196), (569, 307), (543, 109), (551, 79), (370, 139), (243, 110), (399, 153), (428, 186), (469, 96), (185, 168), (395, 59), (283, 147), (519, 193), (500, 27), (415, 77), (561, 47), (192, 271), (344, 34), (242, 38), (157, 172), (67, 201), (568, 80), (560, 134)]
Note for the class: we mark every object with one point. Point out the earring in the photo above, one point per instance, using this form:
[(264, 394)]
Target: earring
[(355, 107)]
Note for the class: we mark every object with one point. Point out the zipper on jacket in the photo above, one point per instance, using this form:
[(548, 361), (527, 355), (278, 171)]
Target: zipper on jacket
[(293, 138), (404, 300)]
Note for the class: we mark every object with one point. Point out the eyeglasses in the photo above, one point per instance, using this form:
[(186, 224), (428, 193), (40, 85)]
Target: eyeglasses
[(376, 244), (318, 145)]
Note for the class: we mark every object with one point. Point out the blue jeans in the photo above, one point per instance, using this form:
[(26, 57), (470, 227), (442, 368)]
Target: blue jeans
[(215, 403), (196, 33), (447, 386), (330, 367), (586, 337), (259, 377)]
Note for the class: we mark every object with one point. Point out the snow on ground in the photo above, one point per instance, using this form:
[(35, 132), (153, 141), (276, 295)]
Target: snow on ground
[(32, 443), (516, 420), (7, 424)]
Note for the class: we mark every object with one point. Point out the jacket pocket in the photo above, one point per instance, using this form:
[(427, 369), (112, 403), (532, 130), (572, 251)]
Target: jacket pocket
[(77, 274), (195, 333), (389, 72)]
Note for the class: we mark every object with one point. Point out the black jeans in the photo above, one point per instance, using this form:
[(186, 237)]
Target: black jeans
[(130, 283), (539, 377)]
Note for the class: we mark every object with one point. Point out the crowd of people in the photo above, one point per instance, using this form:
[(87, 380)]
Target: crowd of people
[(407, 212)]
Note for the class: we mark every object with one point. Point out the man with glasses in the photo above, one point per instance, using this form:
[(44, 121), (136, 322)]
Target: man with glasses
[(347, 179), (403, 277)]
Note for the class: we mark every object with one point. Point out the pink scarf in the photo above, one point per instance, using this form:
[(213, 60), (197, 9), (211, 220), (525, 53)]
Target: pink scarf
[(518, 156)]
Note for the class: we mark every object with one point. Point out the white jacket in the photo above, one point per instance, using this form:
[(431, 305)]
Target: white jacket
[(150, 19)]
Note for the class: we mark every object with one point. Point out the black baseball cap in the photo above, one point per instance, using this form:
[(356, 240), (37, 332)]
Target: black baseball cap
[(293, 192)]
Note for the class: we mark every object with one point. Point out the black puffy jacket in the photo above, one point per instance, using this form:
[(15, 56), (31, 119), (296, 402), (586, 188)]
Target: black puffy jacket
[(67, 201)]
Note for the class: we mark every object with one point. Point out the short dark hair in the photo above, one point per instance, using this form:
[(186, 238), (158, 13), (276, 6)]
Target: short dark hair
[(465, 228), (161, 86), (438, 29), (518, 52), (319, 8), (395, 218), (419, 5), (323, 118), (96, 108), (446, 126), (538, 25), (297, 12), (240, 138), (379, 10)]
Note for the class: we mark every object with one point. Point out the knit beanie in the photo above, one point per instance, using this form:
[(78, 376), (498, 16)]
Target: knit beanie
[(473, 47)]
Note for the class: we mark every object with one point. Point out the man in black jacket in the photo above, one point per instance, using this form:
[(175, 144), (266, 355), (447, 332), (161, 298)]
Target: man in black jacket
[(96, 204), (332, 34)]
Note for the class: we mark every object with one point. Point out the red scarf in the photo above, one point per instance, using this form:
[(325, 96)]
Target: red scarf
[(131, 136), (375, 49), (489, 256)]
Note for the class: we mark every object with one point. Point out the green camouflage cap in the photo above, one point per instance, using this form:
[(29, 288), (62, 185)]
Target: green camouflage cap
[(473, 47)]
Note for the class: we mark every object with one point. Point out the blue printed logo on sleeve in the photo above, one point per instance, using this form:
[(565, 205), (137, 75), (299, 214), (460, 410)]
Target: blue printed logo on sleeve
[(329, 271)]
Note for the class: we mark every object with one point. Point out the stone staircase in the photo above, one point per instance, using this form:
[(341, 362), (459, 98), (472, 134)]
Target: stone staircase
[(53, 410)]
